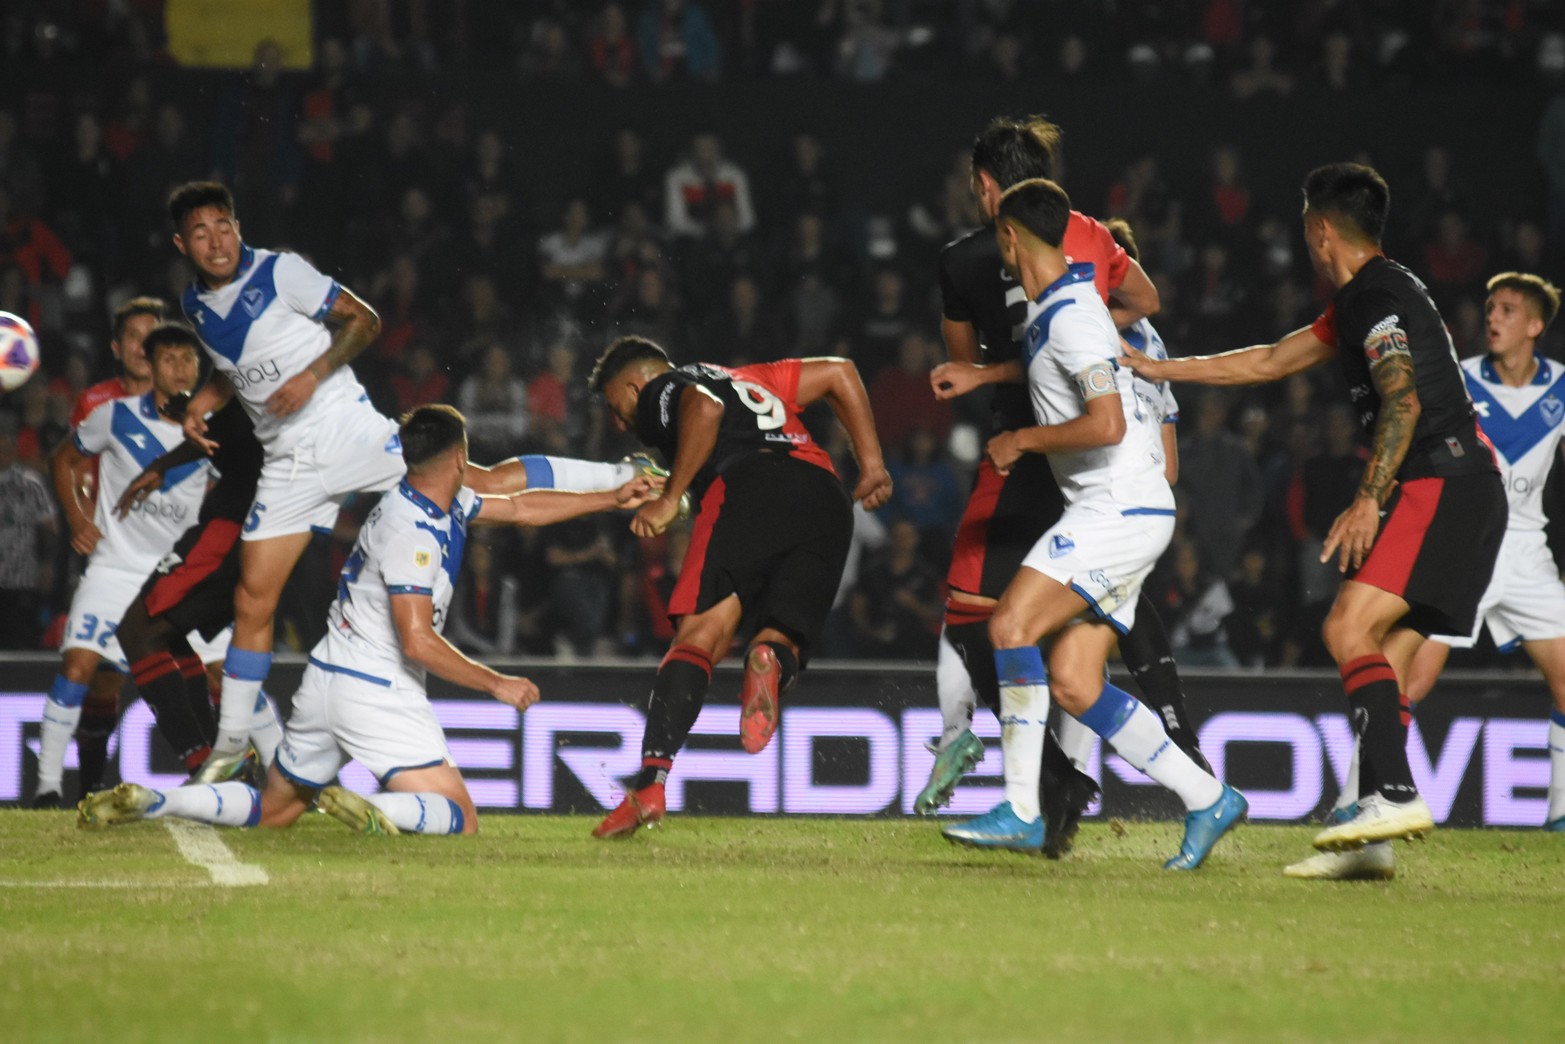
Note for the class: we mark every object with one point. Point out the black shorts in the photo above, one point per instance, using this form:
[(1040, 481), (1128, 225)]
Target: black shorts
[(1437, 547), (775, 531), (193, 587), (1005, 516)]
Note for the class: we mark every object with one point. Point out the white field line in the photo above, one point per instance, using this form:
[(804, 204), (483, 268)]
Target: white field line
[(143, 885), (199, 844)]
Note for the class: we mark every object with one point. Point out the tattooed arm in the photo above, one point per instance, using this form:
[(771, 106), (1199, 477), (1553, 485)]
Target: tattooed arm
[(1353, 534), (355, 326)]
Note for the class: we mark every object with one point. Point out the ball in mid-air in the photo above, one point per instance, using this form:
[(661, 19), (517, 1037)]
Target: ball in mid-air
[(18, 351)]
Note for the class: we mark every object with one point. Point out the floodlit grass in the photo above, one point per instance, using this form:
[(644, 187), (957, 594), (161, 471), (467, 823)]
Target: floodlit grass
[(760, 929)]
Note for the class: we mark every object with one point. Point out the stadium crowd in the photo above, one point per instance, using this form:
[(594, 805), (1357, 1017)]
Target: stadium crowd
[(496, 300)]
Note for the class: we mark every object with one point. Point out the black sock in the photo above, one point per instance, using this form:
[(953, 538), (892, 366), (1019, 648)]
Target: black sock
[(92, 744), (1150, 659), (198, 687), (677, 697), (1378, 720), (970, 639), (787, 665), (163, 687)]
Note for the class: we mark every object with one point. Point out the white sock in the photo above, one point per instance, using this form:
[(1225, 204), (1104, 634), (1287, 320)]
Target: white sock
[(231, 804), (62, 711), (266, 731), (244, 672), (1075, 739), (575, 476), (1350, 786), (1556, 765), (420, 813), (1024, 718), (1138, 736), (955, 689)]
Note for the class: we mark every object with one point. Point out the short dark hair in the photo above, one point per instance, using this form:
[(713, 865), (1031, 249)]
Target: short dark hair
[(620, 354), (152, 306), (1539, 292), (1015, 150), (193, 195), (1353, 195), (1038, 205), (428, 431), (171, 335), (1119, 228)]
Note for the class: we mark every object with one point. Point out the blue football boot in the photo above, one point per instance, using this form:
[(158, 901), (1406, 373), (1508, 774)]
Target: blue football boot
[(1204, 827), (1555, 826), (998, 828), (959, 758)]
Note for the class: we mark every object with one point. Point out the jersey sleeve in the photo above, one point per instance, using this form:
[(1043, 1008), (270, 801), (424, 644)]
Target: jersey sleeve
[(1077, 342), (1112, 256), (410, 560), (469, 503), (781, 378), (94, 434), (1170, 404), (304, 289), (951, 304), (657, 408), (1325, 327), (1381, 315)]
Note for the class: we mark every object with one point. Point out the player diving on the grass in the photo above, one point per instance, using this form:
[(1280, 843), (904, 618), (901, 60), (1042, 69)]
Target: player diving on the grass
[(1080, 583), (363, 693)]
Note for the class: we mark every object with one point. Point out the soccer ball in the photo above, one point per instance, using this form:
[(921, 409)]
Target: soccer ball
[(18, 351)]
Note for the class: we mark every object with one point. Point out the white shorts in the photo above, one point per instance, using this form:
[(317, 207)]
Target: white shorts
[(1103, 557), (1525, 601), (102, 596), (338, 717), (303, 490)]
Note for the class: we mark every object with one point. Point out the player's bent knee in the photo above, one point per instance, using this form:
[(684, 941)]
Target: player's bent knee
[(1007, 631)]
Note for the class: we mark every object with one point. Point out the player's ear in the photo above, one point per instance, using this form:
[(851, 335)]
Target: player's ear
[(1534, 327), (179, 244)]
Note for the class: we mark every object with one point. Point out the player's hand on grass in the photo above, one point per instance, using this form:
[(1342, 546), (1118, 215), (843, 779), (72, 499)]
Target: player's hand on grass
[(515, 692), (294, 393), (655, 516), (1003, 452), (1353, 534), (140, 488), (195, 431), (952, 379), (874, 487), (85, 537), (639, 491), (1144, 365)]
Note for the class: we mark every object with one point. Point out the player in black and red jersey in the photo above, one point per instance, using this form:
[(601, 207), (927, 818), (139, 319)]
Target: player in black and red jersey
[(193, 587), (984, 312), (1432, 476), (770, 536)]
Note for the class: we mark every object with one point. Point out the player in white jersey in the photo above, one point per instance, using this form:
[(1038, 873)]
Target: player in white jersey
[(1520, 397), (124, 435), (281, 335), (363, 695), (1080, 582)]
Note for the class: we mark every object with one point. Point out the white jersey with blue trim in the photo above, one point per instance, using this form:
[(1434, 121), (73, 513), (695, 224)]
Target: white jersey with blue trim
[(1157, 400), (408, 545), (1524, 425), (1069, 334), (126, 435), (263, 328)]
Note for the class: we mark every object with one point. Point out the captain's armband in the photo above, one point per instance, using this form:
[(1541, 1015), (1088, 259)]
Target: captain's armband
[(1097, 381)]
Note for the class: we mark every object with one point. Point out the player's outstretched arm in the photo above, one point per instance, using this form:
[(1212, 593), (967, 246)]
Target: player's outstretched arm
[(355, 325), (414, 616), (67, 457), (544, 507), (700, 415), (147, 483), (1101, 424), (838, 382), (1258, 364), (953, 379)]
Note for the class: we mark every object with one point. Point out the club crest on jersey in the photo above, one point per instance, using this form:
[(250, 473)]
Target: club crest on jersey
[(421, 557), (1385, 338), (253, 301), (1553, 411), (1060, 546)]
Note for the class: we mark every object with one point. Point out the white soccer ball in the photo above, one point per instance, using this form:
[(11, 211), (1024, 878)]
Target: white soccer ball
[(18, 351)]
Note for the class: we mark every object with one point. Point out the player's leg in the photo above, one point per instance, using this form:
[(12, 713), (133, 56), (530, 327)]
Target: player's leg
[(62, 712), (264, 568), (149, 644), (1137, 735), (541, 471), (678, 694), (229, 804), (431, 800), (1149, 657), (963, 645), (100, 714), (1549, 655)]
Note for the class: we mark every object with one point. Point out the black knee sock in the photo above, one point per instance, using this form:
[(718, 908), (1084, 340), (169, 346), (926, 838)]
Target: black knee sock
[(970, 639), (1380, 720), (198, 687), (1150, 660), (162, 686), (677, 697), (92, 744)]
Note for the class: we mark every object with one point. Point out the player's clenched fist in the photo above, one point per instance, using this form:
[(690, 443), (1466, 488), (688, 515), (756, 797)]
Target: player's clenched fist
[(515, 692)]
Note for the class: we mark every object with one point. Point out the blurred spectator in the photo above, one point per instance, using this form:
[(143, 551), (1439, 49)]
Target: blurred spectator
[(652, 311), (21, 174), (549, 52), (629, 179), (1260, 75), (877, 335), (694, 187), (900, 396), (677, 41), (1221, 481), (559, 403), (1551, 154), (494, 168), (420, 381), (254, 146), (815, 311), (573, 259), (1228, 196), (868, 45), (805, 185), (27, 545), (32, 248), (926, 492), (582, 573), (1194, 602), (743, 331), (1338, 69), (610, 48), (896, 607), (1436, 192), (1454, 262), (495, 403), (1326, 485), (708, 264), (1256, 625)]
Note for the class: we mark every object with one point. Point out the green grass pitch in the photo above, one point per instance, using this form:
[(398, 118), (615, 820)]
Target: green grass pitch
[(769, 929)]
